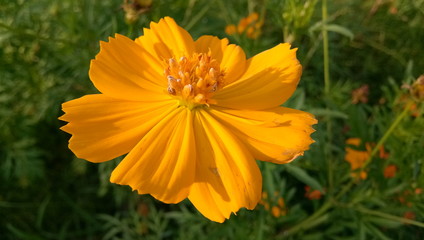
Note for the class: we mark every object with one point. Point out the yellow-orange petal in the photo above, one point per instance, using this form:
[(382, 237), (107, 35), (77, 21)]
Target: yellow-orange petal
[(227, 176), (163, 162), (276, 135), (353, 141), (356, 158), (231, 57), (269, 80), (123, 70), (104, 128), (166, 39)]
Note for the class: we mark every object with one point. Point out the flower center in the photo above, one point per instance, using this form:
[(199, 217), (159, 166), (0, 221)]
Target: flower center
[(194, 80)]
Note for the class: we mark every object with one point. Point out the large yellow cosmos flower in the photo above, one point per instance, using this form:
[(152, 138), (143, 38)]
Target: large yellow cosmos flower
[(192, 115)]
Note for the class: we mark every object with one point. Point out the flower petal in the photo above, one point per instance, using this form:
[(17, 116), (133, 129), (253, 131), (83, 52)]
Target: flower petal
[(231, 57), (276, 135), (270, 79), (163, 162), (166, 39), (227, 177), (104, 128), (123, 70)]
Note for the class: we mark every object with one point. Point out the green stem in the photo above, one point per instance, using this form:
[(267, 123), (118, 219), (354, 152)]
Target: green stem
[(389, 132), (329, 157), (389, 216), (325, 49), (305, 224), (327, 92)]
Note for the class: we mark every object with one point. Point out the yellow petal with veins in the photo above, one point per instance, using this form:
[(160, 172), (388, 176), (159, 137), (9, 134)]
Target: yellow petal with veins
[(276, 135), (166, 39), (227, 176), (104, 128), (163, 162), (123, 70), (269, 80)]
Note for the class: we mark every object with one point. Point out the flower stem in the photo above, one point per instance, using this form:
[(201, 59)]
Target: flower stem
[(389, 216), (327, 92), (388, 132), (305, 224), (325, 48)]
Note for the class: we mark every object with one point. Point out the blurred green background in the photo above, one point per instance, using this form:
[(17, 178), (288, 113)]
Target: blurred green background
[(360, 59)]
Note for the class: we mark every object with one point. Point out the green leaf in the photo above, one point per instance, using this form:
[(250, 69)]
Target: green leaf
[(332, 28), (376, 232), (384, 222), (303, 176), (340, 30)]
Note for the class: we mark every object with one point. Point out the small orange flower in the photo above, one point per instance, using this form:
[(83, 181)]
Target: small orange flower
[(415, 112), (390, 171), (230, 29), (393, 10), (312, 194), (278, 207), (192, 117), (276, 211), (357, 158), (360, 95), (281, 202), (250, 26)]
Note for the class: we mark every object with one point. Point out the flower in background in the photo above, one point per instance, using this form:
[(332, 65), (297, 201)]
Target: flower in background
[(415, 112), (250, 26), (382, 153), (312, 194), (278, 206), (360, 95), (409, 215), (390, 171), (192, 117), (417, 89), (231, 29), (134, 8), (409, 196), (357, 158), (414, 97)]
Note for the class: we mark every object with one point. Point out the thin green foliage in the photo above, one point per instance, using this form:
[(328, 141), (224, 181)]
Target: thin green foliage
[(48, 193)]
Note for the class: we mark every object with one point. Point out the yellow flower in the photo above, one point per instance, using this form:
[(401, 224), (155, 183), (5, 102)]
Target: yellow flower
[(192, 115), (357, 158)]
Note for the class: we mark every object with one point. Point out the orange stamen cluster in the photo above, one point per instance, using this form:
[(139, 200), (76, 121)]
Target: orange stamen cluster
[(195, 79)]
